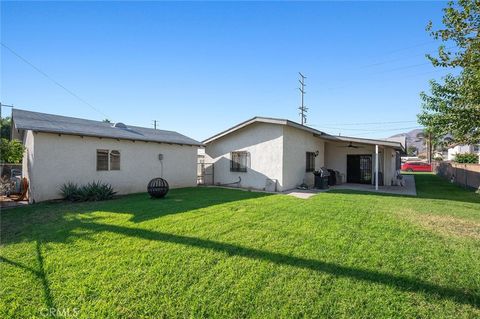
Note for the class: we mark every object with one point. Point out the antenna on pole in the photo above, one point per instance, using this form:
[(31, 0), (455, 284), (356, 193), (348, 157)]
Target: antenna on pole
[(303, 109), (154, 124)]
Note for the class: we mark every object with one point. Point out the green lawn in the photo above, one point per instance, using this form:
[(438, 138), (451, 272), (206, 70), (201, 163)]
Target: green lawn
[(209, 252)]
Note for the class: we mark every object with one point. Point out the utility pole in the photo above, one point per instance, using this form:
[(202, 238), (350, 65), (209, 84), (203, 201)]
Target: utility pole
[(303, 109), (155, 124)]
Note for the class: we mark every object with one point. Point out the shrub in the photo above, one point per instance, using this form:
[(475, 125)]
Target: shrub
[(70, 191), (466, 158), (11, 151), (93, 191)]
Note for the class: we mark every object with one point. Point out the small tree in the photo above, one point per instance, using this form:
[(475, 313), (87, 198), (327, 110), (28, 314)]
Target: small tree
[(11, 151)]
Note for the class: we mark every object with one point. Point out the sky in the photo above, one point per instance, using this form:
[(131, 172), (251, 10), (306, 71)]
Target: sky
[(201, 67)]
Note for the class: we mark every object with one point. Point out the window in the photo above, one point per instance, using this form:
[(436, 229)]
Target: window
[(310, 165), (238, 162), (114, 160), (102, 160)]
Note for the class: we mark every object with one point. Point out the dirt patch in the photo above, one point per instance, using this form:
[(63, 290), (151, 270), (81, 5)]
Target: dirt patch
[(448, 225)]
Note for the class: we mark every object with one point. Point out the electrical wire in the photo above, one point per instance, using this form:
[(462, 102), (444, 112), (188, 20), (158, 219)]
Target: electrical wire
[(369, 123), (52, 79)]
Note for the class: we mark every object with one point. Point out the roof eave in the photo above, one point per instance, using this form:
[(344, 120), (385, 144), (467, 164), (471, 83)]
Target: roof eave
[(110, 137)]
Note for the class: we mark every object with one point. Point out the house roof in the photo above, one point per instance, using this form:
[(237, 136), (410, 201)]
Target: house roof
[(49, 123), (258, 119)]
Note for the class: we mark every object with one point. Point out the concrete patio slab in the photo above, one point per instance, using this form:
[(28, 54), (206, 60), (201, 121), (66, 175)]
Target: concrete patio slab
[(409, 189)]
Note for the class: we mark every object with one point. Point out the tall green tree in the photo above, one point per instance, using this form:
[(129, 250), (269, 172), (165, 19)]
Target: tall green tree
[(6, 125), (453, 105)]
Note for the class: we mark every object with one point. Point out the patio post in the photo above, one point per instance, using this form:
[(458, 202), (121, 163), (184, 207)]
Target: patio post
[(376, 167)]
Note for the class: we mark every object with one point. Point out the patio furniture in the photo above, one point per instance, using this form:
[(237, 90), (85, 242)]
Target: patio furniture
[(321, 178), (158, 187)]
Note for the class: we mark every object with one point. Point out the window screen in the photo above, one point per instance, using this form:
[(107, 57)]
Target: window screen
[(310, 162), (102, 160), (114, 160), (238, 162)]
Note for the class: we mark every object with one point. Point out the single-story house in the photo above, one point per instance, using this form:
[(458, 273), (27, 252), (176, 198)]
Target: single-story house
[(62, 149), (278, 154)]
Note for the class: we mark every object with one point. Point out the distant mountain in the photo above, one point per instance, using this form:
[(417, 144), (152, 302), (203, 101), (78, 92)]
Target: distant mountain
[(412, 139)]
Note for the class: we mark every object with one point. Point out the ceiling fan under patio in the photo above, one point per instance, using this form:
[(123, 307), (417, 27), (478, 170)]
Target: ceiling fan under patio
[(350, 145)]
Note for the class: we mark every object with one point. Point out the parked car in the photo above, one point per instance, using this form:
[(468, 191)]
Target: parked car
[(416, 167)]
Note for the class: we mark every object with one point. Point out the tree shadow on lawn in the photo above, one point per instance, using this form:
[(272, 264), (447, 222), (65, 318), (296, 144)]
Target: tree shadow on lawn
[(40, 274), (186, 199), (47, 221), (429, 186), (403, 283)]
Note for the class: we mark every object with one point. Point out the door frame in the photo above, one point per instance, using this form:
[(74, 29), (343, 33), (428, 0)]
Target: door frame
[(367, 171)]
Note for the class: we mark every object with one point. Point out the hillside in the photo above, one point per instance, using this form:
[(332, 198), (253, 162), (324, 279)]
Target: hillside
[(412, 139)]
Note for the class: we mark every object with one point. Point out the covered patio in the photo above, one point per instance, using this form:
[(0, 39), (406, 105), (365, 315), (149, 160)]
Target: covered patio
[(363, 162)]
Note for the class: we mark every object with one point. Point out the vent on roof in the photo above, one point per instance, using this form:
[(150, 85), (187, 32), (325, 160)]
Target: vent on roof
[(120, 125)]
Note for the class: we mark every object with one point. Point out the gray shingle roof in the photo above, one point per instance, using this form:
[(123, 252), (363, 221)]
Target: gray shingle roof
[(42, 122)]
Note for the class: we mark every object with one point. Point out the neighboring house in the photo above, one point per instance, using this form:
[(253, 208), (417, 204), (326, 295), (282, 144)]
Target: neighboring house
[(462, 149), (60, 149), (278, 154)]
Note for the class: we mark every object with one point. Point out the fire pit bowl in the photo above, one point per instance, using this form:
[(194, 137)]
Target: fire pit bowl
[(158, 187)]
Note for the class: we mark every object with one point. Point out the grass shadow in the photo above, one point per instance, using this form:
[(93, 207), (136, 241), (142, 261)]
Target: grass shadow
[(34, 222), (40, 274), (403, 283)]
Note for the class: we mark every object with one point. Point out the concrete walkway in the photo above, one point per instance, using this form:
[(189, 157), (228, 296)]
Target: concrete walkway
[(409, 189)]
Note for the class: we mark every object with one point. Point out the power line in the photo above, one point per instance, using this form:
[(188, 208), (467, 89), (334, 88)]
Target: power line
[(369, 130), (52, 79), (371, 123)]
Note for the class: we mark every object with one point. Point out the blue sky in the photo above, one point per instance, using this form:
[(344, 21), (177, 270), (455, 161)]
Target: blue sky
[(199, 68)]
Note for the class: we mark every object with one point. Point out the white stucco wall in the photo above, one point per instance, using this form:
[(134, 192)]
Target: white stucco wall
[(296, 144), (389, 162), (59, 159), (279, 152), (263, 142), (28, 159), (459, 149)]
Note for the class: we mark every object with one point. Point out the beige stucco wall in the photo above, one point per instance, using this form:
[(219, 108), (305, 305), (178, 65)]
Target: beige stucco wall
[(296, 144), (263, 142), (58, 159)]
